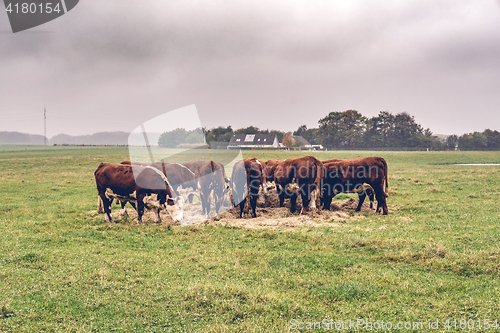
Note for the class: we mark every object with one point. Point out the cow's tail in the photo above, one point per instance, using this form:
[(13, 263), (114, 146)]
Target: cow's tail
[(386, 176)]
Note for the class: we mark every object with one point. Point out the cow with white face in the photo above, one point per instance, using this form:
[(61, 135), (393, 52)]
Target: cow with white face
[(143, 187)]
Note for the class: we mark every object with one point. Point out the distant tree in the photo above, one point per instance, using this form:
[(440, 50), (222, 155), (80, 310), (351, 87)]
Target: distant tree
[(492, 138), (342, 129), (288, 140), (219, 134), (387, 129), (301, 130), (248, 130), (406, 130), (311, 135), (451, 142), (195, 136), (473, 141), (307, 133), (378, 130), (173, 138), (430, 141), (279, 134)]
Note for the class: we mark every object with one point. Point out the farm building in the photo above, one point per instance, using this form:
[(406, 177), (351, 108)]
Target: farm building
[(253, 140), (303, 142)]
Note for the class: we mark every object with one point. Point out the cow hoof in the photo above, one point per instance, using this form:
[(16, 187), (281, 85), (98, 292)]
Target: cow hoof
[(138, 222), (109, 218)]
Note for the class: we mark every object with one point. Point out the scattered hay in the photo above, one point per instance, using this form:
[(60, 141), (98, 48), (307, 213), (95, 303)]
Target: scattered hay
[(406, 219), (269, 215)]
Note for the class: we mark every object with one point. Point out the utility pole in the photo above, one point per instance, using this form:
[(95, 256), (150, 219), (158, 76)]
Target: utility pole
[(44, 126)]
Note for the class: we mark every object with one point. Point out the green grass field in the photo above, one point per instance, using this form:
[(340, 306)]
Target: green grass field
[(62, 268)]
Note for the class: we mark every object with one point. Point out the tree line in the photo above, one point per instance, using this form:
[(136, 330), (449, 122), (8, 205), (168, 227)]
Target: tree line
[(351, 130)]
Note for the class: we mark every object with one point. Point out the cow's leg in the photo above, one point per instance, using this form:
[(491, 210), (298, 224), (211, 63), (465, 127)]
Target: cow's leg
[(107, 209), (242, 207), (384, 205), (314, 198), (381, 202), (207, 203), (362, 196), (99, 205), (140, 208), (371, 196), (203, 203), (327, 201), (133, 205), (157, 215), (293, 203), (123, 212), (253, 204), (306, 199), (218, 200), (281, 194)]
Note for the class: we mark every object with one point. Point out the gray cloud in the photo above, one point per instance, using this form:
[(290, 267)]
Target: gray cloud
[(278, 64)]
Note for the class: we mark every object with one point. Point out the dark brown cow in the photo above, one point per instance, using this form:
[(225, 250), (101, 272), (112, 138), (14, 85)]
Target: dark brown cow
[(307, 172), (369, 190), (247, 178), (210, 176), (348, 175), (144, 186)]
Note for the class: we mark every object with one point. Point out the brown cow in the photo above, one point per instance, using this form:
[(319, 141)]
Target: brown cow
[(247, 178), (307, 172), (177, 174), (368, 189), (269, 169), (144, 186), (348, 175), (210, 176)]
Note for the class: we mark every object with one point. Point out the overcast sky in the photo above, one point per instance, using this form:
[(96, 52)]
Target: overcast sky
[(278, 64)]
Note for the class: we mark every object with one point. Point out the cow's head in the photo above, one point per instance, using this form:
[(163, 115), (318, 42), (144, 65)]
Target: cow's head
[(175, 207)]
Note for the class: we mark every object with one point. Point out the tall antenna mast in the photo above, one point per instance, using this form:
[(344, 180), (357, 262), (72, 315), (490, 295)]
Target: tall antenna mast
[(44, 126)]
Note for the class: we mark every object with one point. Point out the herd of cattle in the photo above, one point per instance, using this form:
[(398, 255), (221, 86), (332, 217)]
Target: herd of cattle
[(164, 186)]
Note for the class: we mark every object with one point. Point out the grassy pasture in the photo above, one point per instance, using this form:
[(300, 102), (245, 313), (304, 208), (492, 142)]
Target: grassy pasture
[(62, 268)]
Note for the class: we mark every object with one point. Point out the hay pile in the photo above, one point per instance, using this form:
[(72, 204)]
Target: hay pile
[(269, 214)]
